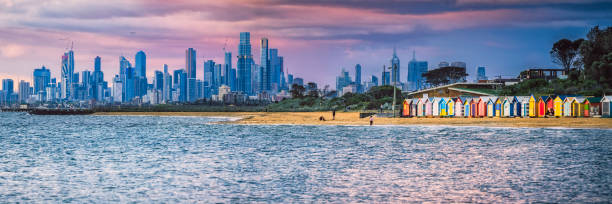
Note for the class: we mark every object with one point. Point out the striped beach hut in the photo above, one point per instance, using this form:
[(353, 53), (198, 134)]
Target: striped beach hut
[(533, 106), (567, 106), (515, 107), (435, 103), (421, 107), (595, 106), (450, 107), (491, 107), (414, 107), (508, 106), (443, 107), (558, 106), (474, 107), (466, 107), (459, 107), (498, 107), (482, 107), (606, 106), (578, 107), (429, 107), (523, 104)]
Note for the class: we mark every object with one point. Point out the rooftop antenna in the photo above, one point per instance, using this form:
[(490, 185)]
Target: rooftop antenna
[(414, 55), (225, 45)]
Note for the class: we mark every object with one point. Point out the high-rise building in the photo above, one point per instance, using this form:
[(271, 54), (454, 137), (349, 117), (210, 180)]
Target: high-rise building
[(86, 85), (7, 86), (190, 65), (140, 70), (385, 77), (227, 69), (416, 69), (358, 74), (42, 78), (24, 91), (342, 81), (117, 89), (290, 79), (245, 61), (67, 75), (167, 92), (183, 86), (209, 77), (374, 80), (395, 68), (481, 74), (158, 81), (98, 80), (458, 64), (127, 81), (281, 68), (275, 67), (265, 70), (233, 80)]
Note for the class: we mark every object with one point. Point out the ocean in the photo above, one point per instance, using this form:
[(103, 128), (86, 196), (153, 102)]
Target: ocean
[(150, 159)]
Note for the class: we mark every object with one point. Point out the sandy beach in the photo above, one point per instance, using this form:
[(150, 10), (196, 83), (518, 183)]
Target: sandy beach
[(351, 118)]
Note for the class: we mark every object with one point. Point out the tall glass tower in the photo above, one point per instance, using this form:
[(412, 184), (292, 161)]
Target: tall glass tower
[(190, 65), (244, 64), (67, 88), (395, 68), (265, 70)]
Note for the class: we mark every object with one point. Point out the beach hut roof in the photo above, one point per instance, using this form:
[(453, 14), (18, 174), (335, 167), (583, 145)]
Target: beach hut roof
[(580, 99), (606, 99), (562, 97), (594, 99), (544, 98), (523, 98), (415, 100)]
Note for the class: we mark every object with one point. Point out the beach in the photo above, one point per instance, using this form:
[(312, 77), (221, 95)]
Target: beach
[(352, 118)]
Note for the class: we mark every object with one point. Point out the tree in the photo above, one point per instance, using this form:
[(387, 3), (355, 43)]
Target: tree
[(445, 75), (565, 53), (595, 52), (297, 91)]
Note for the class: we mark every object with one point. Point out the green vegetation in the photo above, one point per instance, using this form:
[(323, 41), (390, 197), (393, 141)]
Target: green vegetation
[(371, 100), (182, 108), (588, 61)]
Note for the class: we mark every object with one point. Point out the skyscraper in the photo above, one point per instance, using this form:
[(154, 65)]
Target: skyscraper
[(98, 80), (126, 75), (244, 64), (358, 74), (7, 86), (42, 78), (159, 81), (342, 81), (67, 75), (385, 77), (24, 91), (265, 71), (481, 74), (141, 64), (227, 69), (395, 68), (275, 68), (190, 65), (416, 69), (167, 93)]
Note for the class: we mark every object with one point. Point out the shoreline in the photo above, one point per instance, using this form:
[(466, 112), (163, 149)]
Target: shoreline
[(352, 118)]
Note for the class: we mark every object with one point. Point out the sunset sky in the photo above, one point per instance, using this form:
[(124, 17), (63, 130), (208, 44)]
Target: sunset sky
[(317, 38)]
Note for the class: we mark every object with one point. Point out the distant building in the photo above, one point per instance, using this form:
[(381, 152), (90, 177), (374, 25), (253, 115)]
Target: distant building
[(352, 88), (481, 74), (67, 75), (245, 61), (342, 81), (416, 69), (458, 64), (459, 89), (547, 74), (395, 68), (358, 78), (443, 64), (374, 80), (298, 81), (42, 78)]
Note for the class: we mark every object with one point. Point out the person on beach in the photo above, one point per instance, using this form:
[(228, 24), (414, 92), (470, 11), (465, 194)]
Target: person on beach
[(334, 114), (321, 118), (371, 120)]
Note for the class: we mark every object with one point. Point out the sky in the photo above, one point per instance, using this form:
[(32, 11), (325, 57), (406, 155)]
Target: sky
[(317, 38)]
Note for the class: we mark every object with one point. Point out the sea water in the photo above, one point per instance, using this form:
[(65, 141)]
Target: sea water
[(101, 159)]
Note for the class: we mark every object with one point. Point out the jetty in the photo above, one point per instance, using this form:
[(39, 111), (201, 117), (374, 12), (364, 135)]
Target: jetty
[(37, 111)]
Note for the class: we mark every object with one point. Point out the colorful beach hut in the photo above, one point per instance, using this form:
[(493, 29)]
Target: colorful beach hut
[(578, 107), (450, 107), (459, 107), (482, 107), (428, 108), (550, 105), (490, 107), (523, 105), (435, 103), (466, 107), (421, 107), (541, 106), (414, 107), (533, 106), (508, 106), (443, 107), (586, 107), (498, 107), (594, 106), (567, 106), (474, 107), (406, 108), (558, 106), (606, 106)]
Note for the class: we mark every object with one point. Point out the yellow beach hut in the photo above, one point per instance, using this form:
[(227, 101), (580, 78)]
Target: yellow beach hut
[(450, 106), (558, 106), (532, 106)]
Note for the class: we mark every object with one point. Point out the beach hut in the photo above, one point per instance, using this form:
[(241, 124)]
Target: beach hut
[(443, 107), (435, 103), (567, 106), (421, 107), (490, 107), (558, 106), (578, 107), (515, 107), (586, 107), (450, 107), (406, 108), (507, 106), (533, 106), (594, 106), (605, 106), (428, 108), (550, 105), (474, 107), (541, 106), (459, 107), (498, 107), (414, 107), (482, 107), (466, 107), (523, 105)]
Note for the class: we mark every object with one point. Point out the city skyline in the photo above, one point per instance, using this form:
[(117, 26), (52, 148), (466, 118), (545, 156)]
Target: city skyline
[(34, 34)]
